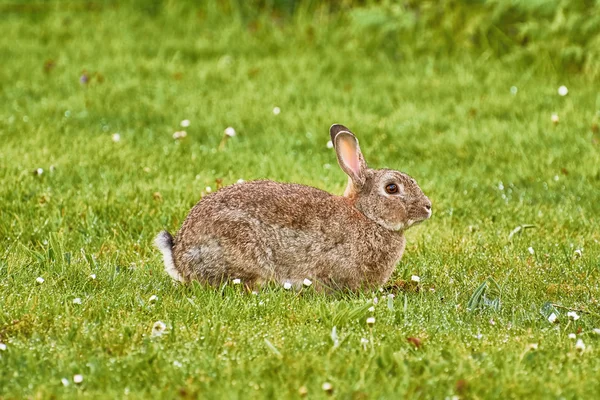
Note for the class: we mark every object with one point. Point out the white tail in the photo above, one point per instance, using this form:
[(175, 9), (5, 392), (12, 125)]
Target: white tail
[(164, 242)]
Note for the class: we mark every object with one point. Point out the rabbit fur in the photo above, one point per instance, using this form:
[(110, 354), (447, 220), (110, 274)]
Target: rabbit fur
[(263, 231)]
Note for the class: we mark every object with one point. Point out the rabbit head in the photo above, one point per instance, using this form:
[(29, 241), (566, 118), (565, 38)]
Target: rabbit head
[(390, 198)]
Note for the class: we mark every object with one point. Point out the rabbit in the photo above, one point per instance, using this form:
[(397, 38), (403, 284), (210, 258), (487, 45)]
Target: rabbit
[(263, 231)]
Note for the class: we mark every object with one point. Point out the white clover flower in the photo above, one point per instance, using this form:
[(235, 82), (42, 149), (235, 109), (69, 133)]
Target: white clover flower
[(208, 189), (152, 299), (177, 364), (276, 110), (563, 91), (78, 378), (39, 280), (185, 123), (531, 250), (572, 336), (371, 309), (415, 278), (307, 282), (287, 285), (65, 382), (552, 318), (364, 342), (514, 90), (371, 321), (391, 296), (116, 137), (2, 347), (375, 300), (93, 276), (240, 181), (479, 336), (77, 300), (38, 171), (330, 144), (555, 118), (179, 135), (573, 315), (328, 387), (578, 253), (158, 329), (580, 346), (229, 131), (236, 281)]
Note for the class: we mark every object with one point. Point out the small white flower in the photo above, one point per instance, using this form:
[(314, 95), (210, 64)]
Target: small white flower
[(552, 318), (391, 296), (276, 110), (415, 278), (179, 135), (307, 282), (236, 281), (364, 342), (578, 253), (563, 91), (39, 280), (39, 171), (572, 336), (65, 381), (330, 144), (2, 347), (208, 189), (177, 364), (328, 387), (501, 186), (579, 345), (555, 118), (375, 300), (371, 309), (93, 276), (159, 328), (371, 321), (287, 286), (185, 123), (77, 378), (229, 131), (531, 250), (532, 346), (152, 299), (240, 181), (77, 300), (255, 293), (596, 331), (573, 315), (479, 336), (556, 178), (116, 137), (514, 90)]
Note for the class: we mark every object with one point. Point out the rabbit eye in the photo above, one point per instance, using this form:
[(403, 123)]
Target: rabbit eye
[(392, 188)]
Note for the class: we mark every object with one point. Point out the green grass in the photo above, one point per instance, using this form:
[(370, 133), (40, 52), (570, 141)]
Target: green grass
[(489, 160)]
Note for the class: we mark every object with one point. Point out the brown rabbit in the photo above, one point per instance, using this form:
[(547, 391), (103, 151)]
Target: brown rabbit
[(264, 231)]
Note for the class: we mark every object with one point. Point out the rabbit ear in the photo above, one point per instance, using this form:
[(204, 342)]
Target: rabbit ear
[(348, 153)]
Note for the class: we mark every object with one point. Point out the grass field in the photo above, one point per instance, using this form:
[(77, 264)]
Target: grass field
[(488, 156)]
